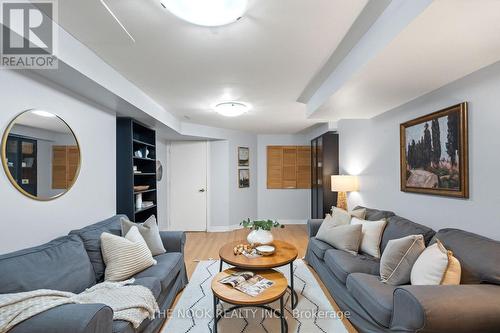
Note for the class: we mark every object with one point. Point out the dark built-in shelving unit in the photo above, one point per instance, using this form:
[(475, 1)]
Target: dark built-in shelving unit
[(324, 164), (132, 136)]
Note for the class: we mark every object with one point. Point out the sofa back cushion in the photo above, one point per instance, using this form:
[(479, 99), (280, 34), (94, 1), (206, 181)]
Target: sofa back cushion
[(91, 237), (62, 264), (479, 256), (375, 214), (399, 227)]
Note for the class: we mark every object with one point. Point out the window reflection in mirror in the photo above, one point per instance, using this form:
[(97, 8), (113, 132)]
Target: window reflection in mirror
[(40, 154)]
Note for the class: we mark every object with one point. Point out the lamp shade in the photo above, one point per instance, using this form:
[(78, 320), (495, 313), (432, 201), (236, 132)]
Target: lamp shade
[(344, 183)]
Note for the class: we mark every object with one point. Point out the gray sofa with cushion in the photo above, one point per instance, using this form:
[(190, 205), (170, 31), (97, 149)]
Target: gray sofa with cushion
[(74, 263), (354, 283)]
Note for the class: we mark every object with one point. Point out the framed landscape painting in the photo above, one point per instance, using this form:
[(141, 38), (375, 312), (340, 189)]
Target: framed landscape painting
[(434, 153), (243, 178)]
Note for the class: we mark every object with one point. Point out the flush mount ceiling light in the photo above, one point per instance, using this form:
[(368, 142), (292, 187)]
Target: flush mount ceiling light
[(43, 114), (231, 109), (207, 13)]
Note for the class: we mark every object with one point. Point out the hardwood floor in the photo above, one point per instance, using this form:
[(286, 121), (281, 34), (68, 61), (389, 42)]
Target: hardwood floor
[(206, 245)]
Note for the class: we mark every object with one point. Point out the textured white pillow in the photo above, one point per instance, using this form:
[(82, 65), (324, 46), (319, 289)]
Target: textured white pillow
[(372, 235), (125, 256), (343, 217), (436, 266), (149, 231), (343, 237)]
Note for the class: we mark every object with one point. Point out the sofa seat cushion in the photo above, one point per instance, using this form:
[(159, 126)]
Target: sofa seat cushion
[(373, 295), (62, 264), (167, 268), (342, 264), (319, 247), (151, 283)]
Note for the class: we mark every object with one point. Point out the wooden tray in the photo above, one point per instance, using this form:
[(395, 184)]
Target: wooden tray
[(141, 188)]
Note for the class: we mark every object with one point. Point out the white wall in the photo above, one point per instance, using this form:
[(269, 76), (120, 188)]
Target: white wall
[(288, 206), (218, 185), (91, 199), (370, 148), (242, 201)]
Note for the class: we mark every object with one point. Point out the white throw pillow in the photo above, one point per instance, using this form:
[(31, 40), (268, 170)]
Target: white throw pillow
[(149, 231), (436, 266), (343, 237), (372, 235), (125, 256), (343, 217)]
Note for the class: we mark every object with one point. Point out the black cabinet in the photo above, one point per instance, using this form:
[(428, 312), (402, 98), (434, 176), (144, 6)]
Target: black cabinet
[(21, 159), (135, 170), (324, 164)]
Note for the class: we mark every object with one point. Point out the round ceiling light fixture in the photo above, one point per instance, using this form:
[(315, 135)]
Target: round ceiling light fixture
[(43, 114), (231, 109), (207, 13)]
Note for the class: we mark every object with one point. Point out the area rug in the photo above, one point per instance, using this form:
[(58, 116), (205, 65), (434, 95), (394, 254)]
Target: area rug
[(194, 311)]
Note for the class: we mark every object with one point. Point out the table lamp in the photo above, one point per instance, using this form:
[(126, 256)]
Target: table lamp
[(343, 184)]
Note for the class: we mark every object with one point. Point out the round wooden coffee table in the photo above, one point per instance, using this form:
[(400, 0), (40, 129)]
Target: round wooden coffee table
[(228, 294), (285, 254)]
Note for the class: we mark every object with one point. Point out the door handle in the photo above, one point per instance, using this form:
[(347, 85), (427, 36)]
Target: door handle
[(201, 190)]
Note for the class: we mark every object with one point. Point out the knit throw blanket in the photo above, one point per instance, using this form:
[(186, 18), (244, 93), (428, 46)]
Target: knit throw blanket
[(132, 303)]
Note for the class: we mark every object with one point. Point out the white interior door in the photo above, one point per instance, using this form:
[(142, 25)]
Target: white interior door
[(188, 185)]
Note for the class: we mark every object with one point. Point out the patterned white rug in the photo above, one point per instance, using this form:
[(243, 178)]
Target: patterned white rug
[(194, 311)]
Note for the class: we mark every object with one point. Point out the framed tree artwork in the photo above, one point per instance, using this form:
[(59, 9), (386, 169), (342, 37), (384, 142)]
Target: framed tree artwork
[(243, 178), (434, 153)]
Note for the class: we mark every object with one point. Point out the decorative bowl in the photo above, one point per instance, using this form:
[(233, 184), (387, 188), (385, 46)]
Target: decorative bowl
[(266, 250), (141, 188)]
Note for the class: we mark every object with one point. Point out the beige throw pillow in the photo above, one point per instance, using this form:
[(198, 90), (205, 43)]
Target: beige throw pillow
[(372, 235), (125, 256), (149, 231), (436, 266), (342, 217), (344, 237), (398, 259)]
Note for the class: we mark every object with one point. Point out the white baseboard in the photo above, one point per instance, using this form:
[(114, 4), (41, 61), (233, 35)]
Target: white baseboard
[(226, 228), (223, 228), (292, 221)]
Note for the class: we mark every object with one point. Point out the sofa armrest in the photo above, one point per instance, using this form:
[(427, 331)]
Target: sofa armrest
[(458, 309), (173, 241), (313, 226), (74, 318)]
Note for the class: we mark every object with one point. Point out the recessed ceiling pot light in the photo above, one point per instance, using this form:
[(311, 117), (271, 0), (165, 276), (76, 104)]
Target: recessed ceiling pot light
[(207, 13), (231, 109)]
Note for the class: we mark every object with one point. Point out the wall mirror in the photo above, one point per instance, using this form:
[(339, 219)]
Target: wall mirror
[(40, 155)]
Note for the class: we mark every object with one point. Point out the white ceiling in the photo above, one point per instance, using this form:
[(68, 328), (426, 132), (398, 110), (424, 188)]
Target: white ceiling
[(450, 39), (54, 124), (265, 59)]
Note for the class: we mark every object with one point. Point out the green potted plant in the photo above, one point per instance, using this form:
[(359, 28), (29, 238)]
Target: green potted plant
[(261, 230)]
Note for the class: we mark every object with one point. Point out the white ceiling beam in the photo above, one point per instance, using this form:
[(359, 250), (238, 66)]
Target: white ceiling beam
[(395, 18)]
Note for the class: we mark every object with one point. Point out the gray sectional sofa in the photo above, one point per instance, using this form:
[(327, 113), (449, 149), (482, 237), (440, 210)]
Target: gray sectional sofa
[(73, 263), (354, 283)]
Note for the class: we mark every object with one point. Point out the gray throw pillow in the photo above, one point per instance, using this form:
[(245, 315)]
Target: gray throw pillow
[(344, 237), (398, 259), (149, 231)]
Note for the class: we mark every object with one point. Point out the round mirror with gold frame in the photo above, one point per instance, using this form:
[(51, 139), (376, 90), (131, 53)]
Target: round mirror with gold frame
[(40, 155)]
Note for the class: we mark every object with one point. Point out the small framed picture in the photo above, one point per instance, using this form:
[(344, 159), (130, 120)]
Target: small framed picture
[(243, 156), (244, 178)]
